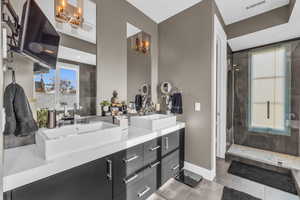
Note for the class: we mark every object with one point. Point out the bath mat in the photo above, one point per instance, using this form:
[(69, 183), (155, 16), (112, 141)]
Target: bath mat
[(231, 194), (270, 178)]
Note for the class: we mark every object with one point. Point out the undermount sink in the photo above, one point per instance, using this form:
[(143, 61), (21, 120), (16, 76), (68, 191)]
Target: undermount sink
[(53, 143), (153, 122)]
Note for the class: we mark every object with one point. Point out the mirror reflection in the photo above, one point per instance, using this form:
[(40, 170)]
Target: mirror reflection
[(138, 67)]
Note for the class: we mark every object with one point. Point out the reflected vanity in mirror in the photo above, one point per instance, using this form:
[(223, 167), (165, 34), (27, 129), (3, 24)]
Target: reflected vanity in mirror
[(138, 68)]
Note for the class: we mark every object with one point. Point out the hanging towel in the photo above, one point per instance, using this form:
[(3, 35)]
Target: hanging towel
[(19, 118), (138, 102), (177, 103)]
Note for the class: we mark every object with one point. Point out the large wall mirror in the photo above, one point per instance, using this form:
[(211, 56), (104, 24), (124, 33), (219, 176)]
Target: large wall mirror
[(138, 63)]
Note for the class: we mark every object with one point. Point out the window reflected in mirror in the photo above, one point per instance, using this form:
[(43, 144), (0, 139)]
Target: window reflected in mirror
[(55, 89)]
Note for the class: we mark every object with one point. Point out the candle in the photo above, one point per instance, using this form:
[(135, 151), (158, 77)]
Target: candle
[(157, 107)]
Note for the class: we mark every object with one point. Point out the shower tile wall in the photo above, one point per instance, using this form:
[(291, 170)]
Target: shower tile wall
[(88, 88), (229, 125), (282, 144)]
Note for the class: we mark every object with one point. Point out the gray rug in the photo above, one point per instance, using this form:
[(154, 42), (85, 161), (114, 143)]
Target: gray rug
[(270, 178), (231, 194)]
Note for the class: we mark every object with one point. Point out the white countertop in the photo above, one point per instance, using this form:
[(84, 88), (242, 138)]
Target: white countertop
[(24, 165)]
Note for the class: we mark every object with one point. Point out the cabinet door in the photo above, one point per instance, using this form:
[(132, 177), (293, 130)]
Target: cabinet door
[(170, 166), (170, 142), (89, 181)]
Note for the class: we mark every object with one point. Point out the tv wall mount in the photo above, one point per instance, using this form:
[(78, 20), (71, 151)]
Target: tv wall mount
[(10, 28), (11, 21)]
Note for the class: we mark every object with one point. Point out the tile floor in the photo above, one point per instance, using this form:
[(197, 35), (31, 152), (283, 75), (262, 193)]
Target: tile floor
[(208, 190)]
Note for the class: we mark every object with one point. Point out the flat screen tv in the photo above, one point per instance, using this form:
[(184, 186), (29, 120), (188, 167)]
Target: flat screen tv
[(38, 38)]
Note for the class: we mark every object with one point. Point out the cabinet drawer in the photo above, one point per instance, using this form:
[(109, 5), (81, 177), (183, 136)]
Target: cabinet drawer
[(152, 150), (141, 188), (153, 175), (170, 142), (130, 160), (170, 166), (125, 164)]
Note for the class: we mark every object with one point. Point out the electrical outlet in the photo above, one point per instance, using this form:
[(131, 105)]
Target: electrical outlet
[(197, 107)]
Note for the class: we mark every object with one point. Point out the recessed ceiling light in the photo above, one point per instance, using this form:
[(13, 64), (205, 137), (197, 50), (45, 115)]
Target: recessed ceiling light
[(256, 4)]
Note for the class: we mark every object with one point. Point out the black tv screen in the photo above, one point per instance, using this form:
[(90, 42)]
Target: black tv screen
[(39, 39)]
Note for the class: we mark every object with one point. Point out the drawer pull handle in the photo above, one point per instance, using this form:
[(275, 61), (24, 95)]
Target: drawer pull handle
[(131, 159), (126, 181), (141, 194), (175, 168), (167, 143), (154, 165), (109, 169), (154, 148)]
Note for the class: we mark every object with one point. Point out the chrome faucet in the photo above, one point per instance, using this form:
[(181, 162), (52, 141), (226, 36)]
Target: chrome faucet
[(74, 113)]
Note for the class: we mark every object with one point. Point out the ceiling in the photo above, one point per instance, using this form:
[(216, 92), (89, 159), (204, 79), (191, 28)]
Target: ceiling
[(232, 11), (236, 10), (160, 10), (279, 33)]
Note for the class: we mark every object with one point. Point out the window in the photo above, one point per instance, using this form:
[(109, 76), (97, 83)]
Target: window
[(57, 88), (269, 90)]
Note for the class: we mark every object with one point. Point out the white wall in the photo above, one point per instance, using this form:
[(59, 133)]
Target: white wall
[(24, 75)]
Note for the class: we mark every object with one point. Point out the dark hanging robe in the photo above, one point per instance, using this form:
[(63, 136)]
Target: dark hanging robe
[(19, 118)]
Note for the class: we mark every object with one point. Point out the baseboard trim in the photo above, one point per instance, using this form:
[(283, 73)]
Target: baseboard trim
[(205, 173)]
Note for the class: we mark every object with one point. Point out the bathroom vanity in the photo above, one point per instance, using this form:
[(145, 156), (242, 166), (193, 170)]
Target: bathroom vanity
[(130, 169)]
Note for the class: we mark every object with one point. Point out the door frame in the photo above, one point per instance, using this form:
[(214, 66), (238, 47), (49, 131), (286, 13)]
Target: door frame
[(219, 100), (1, 108)]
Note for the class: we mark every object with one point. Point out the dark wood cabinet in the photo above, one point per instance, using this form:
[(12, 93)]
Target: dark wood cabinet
[(170, 166), (125, 167), (170, 142), (141, 187), (152, 151), (131, 174), (90, 181)]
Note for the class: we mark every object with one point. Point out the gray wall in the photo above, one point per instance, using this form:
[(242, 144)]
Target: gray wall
[(112, 16), (185, 59), (138, 71), (276, 143)]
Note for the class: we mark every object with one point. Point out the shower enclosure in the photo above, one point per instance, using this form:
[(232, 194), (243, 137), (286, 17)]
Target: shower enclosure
[(264, 98)]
